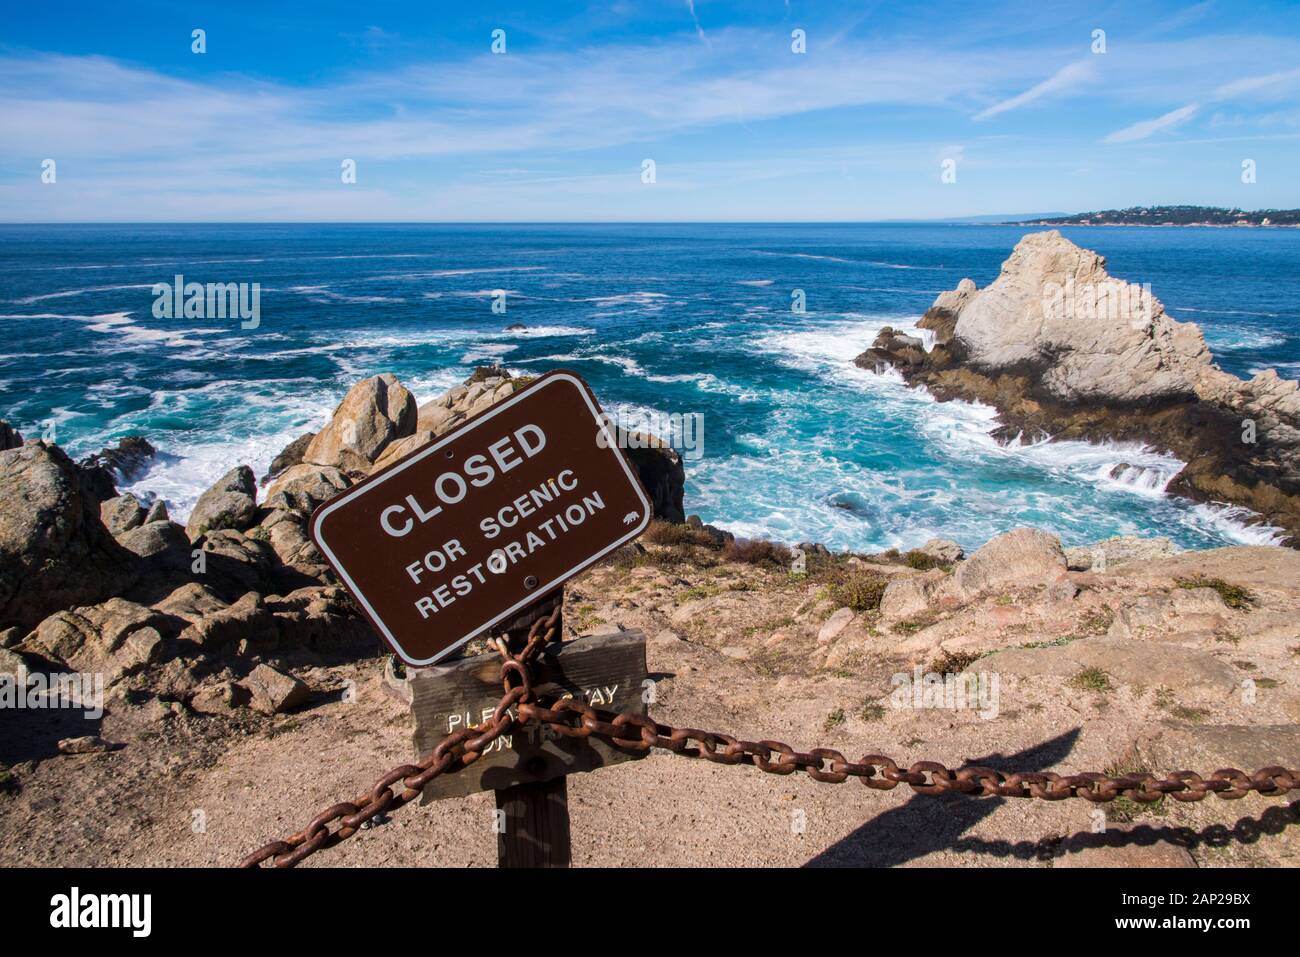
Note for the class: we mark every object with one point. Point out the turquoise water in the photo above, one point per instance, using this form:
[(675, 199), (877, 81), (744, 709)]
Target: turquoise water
[(798, 443)]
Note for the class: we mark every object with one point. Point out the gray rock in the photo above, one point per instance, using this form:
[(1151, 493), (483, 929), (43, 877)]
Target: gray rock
[(230, 504), (835, 624), (153, 538), (304, 487), (943, 549), (10, 438), (375, 412), (272, 691), (289, 456), (54, 550), (1022, 557), (87, 744), (1127, 350), (1121, 550), (121, 514)]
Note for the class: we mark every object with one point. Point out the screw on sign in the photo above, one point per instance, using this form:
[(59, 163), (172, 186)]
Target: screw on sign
[(468, 531)]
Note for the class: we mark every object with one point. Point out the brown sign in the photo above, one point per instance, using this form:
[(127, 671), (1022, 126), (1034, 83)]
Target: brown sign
[(605, 671), (461, 534)]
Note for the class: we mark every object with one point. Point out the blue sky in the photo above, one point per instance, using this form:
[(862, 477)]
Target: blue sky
[(558, 127)]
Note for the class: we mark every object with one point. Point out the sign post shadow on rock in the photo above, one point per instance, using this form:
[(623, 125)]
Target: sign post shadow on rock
[(473, 535)]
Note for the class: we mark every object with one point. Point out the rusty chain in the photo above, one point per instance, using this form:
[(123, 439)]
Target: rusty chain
[(454, 752), (634, 732)]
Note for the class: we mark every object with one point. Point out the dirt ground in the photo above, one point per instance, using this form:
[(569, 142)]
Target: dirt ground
[(185, 789)]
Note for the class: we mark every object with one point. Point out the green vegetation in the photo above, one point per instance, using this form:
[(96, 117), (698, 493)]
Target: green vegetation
[(1124, 809), (834, 719), (860, 591), (1092, 679), (1178, 216), (872, 711), (1234, 596)]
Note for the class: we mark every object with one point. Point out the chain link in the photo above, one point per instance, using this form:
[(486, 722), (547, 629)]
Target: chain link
[(633, 732)]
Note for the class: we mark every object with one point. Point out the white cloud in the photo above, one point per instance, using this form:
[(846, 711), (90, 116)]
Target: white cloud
[(1065, 78), (1145, 128)]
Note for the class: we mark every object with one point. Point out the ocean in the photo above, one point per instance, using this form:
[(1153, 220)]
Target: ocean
[(797, 444)]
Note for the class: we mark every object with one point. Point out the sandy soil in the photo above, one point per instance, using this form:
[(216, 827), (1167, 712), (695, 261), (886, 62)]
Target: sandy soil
[(193, 790)]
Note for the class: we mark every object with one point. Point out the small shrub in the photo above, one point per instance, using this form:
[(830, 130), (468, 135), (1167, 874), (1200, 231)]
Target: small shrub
[(757, 551), (860, 591), (921, 561), (669, 533), (872, 711), (920, 620), (952, 663), (1234, 596), (1092, 679), (834, 719)]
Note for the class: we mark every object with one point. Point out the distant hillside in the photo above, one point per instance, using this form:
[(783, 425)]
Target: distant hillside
[(1173, 216)]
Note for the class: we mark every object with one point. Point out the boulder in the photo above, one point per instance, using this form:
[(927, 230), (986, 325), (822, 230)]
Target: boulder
[(248, 619), (272, 691), (1019, 558), (125, 462), (375, 412), (942, 549), (289, 456), (229, 504), (54, 550), (403, 447), (154, 538), (121, 514), (10, 438), (220, 698), (304, 487), (911, 595), (189, 604), (1120, 550), (86, 744), (321, 618), (115, 637), (835, 624)]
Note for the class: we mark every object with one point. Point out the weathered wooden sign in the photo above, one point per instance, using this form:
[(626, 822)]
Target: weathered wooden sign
[(463, 533), (604, 671)]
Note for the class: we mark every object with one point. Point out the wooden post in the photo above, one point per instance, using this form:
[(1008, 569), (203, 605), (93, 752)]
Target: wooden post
[(535, 824), (534, 817)]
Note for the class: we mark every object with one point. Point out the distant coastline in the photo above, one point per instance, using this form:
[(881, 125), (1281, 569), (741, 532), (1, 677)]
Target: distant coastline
[(1216, 216)]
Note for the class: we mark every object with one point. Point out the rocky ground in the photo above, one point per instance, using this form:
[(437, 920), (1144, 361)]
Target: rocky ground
[(1156, 663), (243, 694)]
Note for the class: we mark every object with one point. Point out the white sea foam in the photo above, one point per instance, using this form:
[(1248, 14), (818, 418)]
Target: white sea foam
[(28, 300), (1231, 340)]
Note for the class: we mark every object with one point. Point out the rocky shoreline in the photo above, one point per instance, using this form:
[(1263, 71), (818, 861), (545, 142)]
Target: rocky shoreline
[(1062, 349)]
